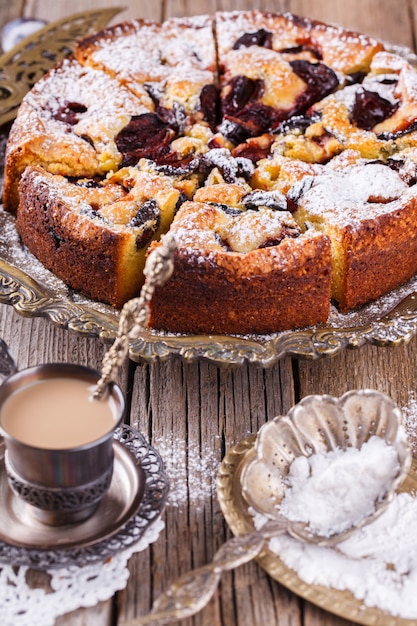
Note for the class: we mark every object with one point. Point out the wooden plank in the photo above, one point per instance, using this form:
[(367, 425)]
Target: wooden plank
[(37, 340), (50, 10), (193, 413), (377, 368), (10, 10), (383, 19)]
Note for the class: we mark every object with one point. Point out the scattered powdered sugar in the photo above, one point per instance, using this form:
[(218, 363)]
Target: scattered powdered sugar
[(192, 474), (319, 487), (355, 193), (409, 412), (378, 562)]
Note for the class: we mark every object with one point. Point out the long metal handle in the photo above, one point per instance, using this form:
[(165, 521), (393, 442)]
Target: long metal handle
[(190, 593)]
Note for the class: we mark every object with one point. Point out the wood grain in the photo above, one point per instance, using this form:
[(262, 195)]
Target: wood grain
[(195, 412)]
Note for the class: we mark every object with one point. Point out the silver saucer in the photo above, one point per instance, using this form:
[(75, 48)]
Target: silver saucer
[(136, 498)]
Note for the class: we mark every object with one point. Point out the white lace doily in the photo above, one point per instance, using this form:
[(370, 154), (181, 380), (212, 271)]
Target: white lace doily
[(71, 587)]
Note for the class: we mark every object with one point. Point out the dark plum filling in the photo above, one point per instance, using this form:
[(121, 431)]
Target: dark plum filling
[(408, 174), (272, 199), (146, 136), (399, 133), (297, 191), (286, 232), (297, 123), (320, 79), (226, 208), (240, 92), (175, 117), (244, 115), (231, 168), (261, 38), (370, 109), (173, 165), (209, 101), (355, 78), (88, 183), (69, 113), (314, 51), (148, 217)]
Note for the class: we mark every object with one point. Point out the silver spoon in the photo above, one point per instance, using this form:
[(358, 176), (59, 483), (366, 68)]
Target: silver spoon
[(316, 423), (16, 30)]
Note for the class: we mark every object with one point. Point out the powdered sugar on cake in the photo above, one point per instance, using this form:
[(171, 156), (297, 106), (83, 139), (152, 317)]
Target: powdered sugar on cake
[(355, 193), (224, 127)]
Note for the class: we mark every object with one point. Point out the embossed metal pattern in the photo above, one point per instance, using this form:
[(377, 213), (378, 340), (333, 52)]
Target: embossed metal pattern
[(58, 499), (235, 511), (96, 545), (29, 60), (316, 425), (29, 298)]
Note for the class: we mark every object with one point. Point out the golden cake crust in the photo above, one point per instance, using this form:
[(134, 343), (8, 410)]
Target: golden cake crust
[(281, 152), (370, 215), (215, 290), (89, 236), (68, 123)]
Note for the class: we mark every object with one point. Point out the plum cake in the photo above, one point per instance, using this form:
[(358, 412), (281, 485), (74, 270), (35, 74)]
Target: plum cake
[(280, 152)]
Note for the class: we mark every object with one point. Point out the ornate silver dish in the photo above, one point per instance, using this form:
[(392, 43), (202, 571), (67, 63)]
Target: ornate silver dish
[(35, 292), (236, 511), (319, 424), (135, 500)]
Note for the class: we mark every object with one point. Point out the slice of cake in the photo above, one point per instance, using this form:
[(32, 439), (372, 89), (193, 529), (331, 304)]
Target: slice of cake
[(94, 235), (376, 117), (242, 267), (174, 61), (273, 67), (370, 215)]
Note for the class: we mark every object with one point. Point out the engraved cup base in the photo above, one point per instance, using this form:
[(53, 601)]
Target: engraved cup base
[(59, 506)]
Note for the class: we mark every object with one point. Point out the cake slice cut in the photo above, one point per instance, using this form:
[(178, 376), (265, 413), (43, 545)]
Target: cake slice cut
[(275, 66), (242, 268), (296, 37), (376, 117), (68, 124), (370, 215), (174, 61), (94, 235)]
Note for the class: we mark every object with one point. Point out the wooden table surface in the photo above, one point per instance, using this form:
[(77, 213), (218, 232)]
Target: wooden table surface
[(194, 412)]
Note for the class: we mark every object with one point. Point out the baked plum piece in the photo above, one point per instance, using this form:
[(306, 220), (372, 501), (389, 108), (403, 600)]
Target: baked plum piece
[(376, 117), (275, 66)]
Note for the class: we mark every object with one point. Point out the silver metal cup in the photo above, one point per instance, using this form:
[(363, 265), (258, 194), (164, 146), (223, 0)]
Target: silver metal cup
[(60, 486)]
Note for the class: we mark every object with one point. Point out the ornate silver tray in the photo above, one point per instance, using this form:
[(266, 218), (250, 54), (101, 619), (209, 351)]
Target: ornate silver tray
[(236, 512), (136, 499), (35, 292)]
